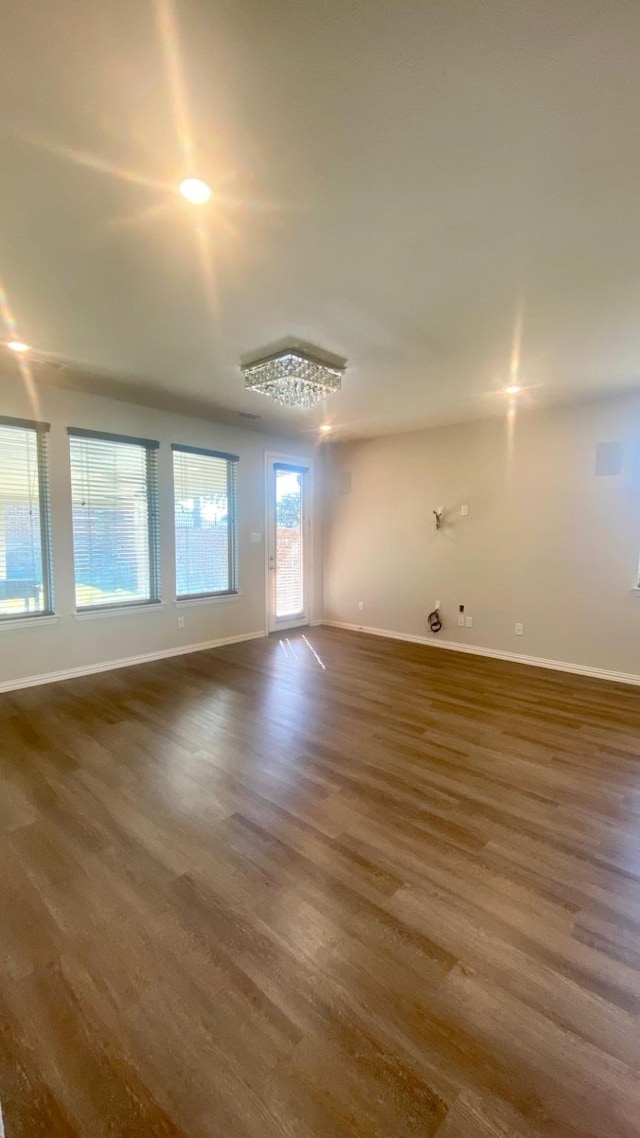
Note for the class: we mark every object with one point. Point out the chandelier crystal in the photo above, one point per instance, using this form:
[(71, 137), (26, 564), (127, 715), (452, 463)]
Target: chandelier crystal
[(293, 377)]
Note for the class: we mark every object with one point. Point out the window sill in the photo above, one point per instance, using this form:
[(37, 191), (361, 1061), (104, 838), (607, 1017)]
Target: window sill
[(34, 621), (118, 610), (189, 602)]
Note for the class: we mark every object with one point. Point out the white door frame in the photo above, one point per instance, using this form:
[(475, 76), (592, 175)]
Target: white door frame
[(270, 458)]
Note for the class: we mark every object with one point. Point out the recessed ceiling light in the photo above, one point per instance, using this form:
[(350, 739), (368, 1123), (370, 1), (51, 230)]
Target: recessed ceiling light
[(325, 428), (17, 346), (513, 390), (195, 191)]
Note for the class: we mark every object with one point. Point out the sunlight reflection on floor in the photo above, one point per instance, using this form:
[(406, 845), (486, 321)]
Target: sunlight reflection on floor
[(293, 649)]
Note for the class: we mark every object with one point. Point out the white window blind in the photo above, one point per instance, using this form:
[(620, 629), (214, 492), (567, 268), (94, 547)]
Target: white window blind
[(25, 520), (114, 487), (205, 492)]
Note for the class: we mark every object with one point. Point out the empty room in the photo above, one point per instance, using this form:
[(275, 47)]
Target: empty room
[(319, 569)]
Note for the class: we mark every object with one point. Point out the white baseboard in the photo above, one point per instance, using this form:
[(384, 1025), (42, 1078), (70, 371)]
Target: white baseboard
[(493, 653), (127, 662), (431, 642)]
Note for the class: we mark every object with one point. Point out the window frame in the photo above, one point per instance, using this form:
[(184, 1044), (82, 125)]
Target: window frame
[(232, 461), (151, 448), (41, 431)]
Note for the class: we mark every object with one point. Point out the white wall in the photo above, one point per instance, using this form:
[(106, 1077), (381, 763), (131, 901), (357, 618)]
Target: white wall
[(37, 648), (546, 542)]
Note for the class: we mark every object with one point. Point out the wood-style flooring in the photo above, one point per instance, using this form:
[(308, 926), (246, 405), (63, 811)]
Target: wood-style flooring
[(320, 886)]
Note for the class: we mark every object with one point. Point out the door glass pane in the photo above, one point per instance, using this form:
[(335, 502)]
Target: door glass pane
[(289, 552)]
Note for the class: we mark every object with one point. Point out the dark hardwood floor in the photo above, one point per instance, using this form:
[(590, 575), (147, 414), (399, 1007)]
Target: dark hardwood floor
[(325, 886)]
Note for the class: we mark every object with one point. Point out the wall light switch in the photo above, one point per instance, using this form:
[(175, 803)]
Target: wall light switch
[(460, 620), (256, 537), (464, 510), (468, 622), (361, 606)]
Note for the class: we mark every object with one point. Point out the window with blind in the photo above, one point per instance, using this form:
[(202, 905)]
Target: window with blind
[(25, 520), (205, 492), (114, 488)]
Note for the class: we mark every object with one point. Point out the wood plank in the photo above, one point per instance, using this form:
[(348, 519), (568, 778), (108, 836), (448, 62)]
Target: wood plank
[(244, 894)]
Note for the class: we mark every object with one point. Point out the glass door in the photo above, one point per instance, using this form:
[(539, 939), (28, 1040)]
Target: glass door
[(288, 554)]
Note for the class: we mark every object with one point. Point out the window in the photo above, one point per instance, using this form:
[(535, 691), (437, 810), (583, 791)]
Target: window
[(25, 520), (114, 489), (205, 511)]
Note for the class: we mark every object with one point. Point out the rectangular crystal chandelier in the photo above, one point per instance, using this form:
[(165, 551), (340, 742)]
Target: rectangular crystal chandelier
[(293, 377)]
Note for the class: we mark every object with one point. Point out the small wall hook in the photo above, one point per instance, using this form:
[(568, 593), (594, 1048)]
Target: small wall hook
[(438, 516)]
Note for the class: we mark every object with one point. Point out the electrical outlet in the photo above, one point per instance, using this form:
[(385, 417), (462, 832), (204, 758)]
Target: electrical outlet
[(468, 622), (519, 629), (256, 537), (460, 620), (464, 511), (180, 622), (361, 606)]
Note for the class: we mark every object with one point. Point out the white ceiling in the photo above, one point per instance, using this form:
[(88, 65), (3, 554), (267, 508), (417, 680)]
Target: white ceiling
[(394, 181)]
